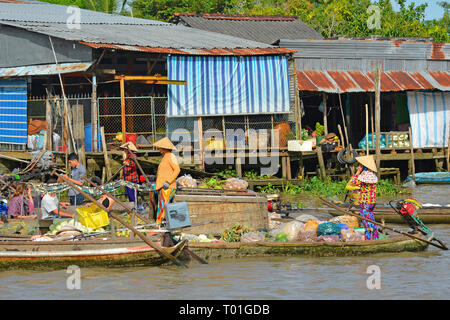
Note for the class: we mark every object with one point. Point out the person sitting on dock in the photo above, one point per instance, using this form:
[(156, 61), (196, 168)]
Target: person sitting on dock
[(168, 171), (21, 204), (366, 180), (130, 170), (50, 206), (78, 171)]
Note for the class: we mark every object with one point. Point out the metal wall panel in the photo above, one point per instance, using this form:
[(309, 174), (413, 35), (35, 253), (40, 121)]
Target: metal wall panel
[(13, 111)]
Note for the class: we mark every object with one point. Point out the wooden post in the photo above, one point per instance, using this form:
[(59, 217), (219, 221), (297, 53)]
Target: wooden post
[(448, 153), (224, 133), (105, 154), (377, 118), (325, 122), (200, 140), (321, 163), (411, 147), (288, 168), (367, 129), (78, 131), (238, 163), (298, 113), (122, 106), (94, 114), (372, 126), (48, 120)]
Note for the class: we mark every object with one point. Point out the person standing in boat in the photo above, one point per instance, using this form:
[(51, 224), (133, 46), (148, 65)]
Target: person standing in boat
[(129, 172), (21, 204), (168, 171), (366, 180), (78, 171)]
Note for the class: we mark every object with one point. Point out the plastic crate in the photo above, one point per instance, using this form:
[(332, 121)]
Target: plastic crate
[(91, 216)]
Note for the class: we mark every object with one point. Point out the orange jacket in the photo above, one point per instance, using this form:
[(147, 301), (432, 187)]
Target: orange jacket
[(168, 170)]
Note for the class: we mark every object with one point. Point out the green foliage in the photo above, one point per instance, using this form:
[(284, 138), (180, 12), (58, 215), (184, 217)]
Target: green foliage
[(329, 188), (253, 175), (228, 173), (234, 233)]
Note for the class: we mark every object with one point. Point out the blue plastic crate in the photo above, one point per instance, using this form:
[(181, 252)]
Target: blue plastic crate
[(177, 215)]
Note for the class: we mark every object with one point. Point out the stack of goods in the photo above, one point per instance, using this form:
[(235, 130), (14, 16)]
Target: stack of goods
[(186, 181), (343, 228), (235, 184)]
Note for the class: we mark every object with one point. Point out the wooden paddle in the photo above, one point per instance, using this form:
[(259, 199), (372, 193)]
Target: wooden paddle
[(159, 249), (443, 247)]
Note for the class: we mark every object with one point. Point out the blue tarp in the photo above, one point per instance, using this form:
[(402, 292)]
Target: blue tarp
[(13, 111)]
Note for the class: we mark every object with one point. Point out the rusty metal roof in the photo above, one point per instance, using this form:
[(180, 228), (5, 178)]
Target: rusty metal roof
[(357, 81), (193, 51), (45, 69)]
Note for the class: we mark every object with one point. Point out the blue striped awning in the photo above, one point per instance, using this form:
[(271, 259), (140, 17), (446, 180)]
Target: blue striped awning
[(228, 85), (429, 114), (13, 111)]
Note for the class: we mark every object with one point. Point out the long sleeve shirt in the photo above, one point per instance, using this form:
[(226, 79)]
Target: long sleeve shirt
[(168, 170), (368, 191), (129, 170)]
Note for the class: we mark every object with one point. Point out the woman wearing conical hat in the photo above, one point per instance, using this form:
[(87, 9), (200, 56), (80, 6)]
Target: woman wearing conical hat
[(129, 173), (366, 180), (168, 171)]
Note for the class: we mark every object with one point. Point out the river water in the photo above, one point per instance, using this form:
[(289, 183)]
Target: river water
[(422, 275)]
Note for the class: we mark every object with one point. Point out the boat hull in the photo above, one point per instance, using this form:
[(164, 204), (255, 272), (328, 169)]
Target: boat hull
[(213, 251), (97, 253)]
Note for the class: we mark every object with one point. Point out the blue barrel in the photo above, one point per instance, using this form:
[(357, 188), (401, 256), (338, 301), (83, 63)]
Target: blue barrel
[(88, 138)]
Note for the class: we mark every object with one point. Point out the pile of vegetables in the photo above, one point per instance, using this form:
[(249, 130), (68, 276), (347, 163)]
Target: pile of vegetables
[(234, 233), (60, 224)]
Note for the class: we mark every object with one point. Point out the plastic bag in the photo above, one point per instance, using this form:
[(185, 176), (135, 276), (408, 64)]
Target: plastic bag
[(307, 236), (350, 235), (186, 181), (292, 229), (305, 217), (350, 221), (328, 228), (235, 184), (273, 223), (328, 238), (253, 237), (311, 225)]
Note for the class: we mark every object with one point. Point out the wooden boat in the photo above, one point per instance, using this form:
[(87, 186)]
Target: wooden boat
[(19, 252), (430, 178), (428, 215), (213, 251)]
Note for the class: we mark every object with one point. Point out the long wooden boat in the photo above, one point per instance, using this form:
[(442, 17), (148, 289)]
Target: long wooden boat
[(430, 178), (431, 215), (394, 244), (18, 252)]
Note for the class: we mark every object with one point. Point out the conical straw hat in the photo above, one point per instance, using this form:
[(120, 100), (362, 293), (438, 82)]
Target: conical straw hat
[(164, 143), (368, 162), (130, 146)]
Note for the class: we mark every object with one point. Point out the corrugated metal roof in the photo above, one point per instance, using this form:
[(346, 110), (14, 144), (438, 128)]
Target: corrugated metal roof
[(129, 33), (214, 52), (266, 29), (220, 16), (42, 12), (355, 81), (44, 69), (368, 49)]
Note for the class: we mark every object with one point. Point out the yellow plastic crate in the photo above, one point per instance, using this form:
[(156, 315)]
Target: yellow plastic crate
[(91, 216)]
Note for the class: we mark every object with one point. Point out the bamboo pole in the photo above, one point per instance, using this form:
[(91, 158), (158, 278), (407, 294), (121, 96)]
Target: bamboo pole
[(48, 120), (321, 163), (367, 129), (377, 118), (155, 246), (298, 112), (448, 153), (325, 122), (122, 107), (105, 154)]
